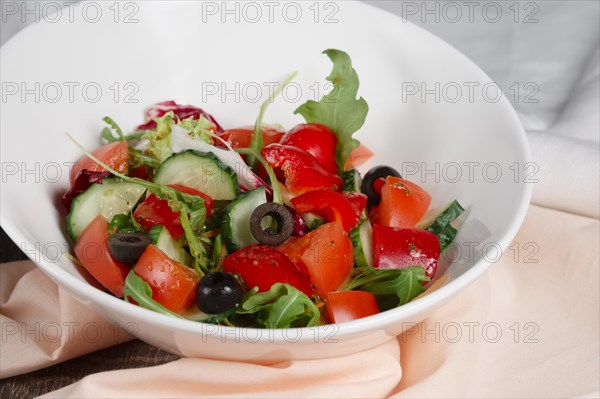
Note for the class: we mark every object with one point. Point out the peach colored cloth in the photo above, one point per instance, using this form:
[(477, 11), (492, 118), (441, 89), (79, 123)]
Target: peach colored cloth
[(527, 328)]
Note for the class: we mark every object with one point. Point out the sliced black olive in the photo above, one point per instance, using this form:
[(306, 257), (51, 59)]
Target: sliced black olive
[(217, 293), (128, 247), (367, 183), (282, 218)]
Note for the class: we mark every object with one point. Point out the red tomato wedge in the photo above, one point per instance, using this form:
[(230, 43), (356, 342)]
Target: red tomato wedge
[(262, 266), (92, 251), (173, 284), (318, 140), (350, 305), (403, 203), (115, 155), (358, 156), (327, 253), (242, 136), (399, 248), (155, 211), (330, 205)]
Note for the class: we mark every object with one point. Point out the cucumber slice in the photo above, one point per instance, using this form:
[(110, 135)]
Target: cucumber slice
[(173, 248), (236, 224), (202, 171), (352, 180), (362, 240), (112, 197), (312, 221)]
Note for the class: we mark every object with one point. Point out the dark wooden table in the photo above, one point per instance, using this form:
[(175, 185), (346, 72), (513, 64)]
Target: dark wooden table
[(128, 355)]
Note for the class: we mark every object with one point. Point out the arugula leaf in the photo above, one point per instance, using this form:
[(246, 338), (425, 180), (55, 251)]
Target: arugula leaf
[(107, 132), (139, 290), (442, 227), (257, 139), (277, 196), (217, 252), (139, 158), (392, 287), (339, 109), (283, 306), (109, 137)]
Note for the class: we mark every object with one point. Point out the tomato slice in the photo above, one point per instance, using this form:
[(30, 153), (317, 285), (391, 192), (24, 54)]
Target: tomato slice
[(403, 203), (155, 211), (358, 156), (262, 266), (326, 253), (173, 284), (330, 205), (242, 137), (115, 155), (316, 139), (399, 248), (350, 305), (92, 251)]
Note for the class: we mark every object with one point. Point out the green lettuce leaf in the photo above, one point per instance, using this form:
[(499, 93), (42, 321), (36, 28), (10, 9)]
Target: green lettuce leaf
[(339, 109), (159, 140), (199, 127)]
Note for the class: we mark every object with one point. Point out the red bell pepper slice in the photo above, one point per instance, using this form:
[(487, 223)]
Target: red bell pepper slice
[(357, 200), (396, 248), (302, 171), (330, 205)]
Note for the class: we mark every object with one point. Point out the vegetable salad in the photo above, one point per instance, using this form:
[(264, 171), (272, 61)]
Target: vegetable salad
[(254, 226)]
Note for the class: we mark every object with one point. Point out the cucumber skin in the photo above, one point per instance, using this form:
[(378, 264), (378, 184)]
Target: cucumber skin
[(226, 169), (360, 258), (351, 181), (227, 233)]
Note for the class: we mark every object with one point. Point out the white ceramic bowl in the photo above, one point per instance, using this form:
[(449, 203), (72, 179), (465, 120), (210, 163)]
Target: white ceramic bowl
[(433, 115)]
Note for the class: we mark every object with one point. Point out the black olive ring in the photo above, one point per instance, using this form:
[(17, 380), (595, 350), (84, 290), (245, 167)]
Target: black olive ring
[(368, 181), (128, 247), (283, 220)]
